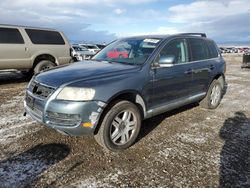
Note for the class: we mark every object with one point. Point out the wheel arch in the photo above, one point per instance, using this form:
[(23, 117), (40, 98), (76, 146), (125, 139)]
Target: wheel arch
[(221, 78), (42, 57), (129, 95), (132, 96)]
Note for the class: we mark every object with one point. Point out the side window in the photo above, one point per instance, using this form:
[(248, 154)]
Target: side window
[(213, 52), (45, 37), (10, 36), (199, 49), (176, 48)]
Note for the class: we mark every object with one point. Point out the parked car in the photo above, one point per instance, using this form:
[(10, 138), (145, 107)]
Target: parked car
[(32, 49), (109, 97), (117, 53), (91, 47), (243, 49), (222, 50), (80, 53), (231, 50)]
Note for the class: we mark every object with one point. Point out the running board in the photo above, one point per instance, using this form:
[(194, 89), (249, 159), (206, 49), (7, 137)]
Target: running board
[(175, 104)]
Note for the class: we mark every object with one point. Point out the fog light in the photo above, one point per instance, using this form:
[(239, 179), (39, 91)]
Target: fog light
[(61, 119), (88, 124)]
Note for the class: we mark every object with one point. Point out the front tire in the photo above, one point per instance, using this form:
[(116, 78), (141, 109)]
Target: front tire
[(120, 126), (213, 97)]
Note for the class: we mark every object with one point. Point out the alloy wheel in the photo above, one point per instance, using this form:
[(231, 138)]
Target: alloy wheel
[(123, 127)]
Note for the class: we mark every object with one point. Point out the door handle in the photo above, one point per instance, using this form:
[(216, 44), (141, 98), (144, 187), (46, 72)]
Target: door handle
[(26, 49), (189, 71), (212, 67)]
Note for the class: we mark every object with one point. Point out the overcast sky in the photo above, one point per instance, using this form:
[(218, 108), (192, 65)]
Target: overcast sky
[(105, 20)]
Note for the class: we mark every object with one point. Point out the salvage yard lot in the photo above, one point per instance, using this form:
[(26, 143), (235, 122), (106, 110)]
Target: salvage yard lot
[(187, 147)]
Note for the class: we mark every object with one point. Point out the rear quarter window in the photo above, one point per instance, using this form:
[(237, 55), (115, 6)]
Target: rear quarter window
[(199, 49), (45, 37), (10, 36), (213, 52)]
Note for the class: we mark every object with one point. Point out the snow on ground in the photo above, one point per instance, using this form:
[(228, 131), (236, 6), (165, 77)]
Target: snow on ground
[(108, 180), (13, 124), (187, 148)]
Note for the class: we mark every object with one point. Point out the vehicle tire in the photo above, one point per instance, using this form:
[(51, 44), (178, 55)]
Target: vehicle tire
[(43, 65), (120, 126), (213, 97)]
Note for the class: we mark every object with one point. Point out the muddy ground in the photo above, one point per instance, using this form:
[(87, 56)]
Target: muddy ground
[(188, 147)]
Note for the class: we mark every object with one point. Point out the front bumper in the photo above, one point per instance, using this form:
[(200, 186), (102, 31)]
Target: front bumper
[(65, 116)]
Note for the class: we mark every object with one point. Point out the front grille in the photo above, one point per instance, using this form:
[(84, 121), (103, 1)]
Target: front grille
[(40, 90)]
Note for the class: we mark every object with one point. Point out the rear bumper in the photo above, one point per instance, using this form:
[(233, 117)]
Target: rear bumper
[(65, 116)]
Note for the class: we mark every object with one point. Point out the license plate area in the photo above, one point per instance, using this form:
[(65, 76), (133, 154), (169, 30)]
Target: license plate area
[(30, 101)]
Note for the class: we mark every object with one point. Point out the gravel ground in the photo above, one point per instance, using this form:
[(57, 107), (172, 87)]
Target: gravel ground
[(187, 147)]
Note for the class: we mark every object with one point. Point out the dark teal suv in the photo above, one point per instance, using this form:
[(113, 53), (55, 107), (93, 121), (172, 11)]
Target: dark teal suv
[(109, 97)]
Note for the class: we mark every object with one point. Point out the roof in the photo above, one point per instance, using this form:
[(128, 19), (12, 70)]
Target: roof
[(150, 36), (31, 27), (167, 36)]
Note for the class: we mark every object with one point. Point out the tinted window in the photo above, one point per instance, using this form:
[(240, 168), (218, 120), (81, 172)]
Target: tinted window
[(10, 36), (199, 49), (44, 37), (131, 50), (176, 48), (213, 52)]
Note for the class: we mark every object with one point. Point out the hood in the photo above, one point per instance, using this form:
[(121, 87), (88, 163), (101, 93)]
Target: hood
[(83, 70)]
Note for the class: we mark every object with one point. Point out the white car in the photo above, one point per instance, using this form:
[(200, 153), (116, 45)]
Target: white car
[(91, 47), (80, 53)]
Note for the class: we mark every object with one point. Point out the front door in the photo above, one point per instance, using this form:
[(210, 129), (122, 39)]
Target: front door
[(172, 83)]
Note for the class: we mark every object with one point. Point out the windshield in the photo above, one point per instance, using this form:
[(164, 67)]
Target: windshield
[(128, 51)]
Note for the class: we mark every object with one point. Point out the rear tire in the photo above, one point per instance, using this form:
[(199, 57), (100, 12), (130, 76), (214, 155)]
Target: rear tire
[(43, 65), (119, 127), (213, 97)]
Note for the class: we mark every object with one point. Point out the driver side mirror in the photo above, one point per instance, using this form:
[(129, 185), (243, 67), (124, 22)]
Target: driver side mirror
[(166, 61)]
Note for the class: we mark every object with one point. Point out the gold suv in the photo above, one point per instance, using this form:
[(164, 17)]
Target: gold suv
[(32, 49)]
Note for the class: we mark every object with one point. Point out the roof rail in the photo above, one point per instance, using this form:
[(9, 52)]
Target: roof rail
[(25, 26), (199, 34)]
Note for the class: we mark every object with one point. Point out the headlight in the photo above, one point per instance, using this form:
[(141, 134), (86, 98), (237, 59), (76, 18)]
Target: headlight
[(76, 94)]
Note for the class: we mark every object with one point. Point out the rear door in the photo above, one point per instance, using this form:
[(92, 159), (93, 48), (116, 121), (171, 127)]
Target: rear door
[(172, 83), (13, 52), (202, 66)]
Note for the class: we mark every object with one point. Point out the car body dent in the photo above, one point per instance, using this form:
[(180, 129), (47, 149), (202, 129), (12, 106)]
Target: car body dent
[(89, 111)]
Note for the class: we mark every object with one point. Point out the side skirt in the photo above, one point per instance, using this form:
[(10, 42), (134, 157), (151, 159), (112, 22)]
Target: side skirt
[(174, 104)]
